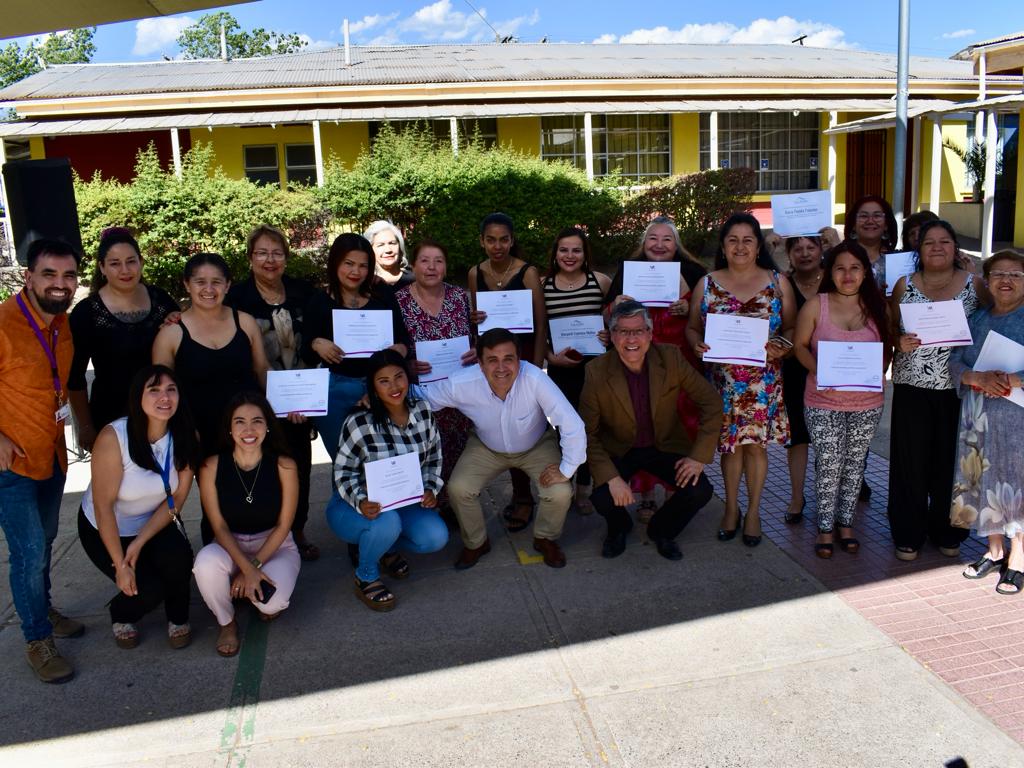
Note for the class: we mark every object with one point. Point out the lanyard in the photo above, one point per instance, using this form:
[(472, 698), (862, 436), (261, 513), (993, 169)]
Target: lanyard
[(48, 347), (165, 474)]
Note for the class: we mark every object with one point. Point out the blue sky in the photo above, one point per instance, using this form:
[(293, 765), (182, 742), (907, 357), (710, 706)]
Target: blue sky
[(938, 27)]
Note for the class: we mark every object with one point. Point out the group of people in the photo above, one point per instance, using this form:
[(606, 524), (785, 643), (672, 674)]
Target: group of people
[(178, 395)]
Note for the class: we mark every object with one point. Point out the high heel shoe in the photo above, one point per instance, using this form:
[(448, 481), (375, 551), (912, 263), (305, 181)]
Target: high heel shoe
[(751, 541), (725, 534), (792, 518)]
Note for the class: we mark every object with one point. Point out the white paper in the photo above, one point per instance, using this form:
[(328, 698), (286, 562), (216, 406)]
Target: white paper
[(652, 283), (898, 265), (736, 340), (394, 482), (854, 366), (444, 356), (511, 310), (801, 215), (938, 323), (303, 391), (579, 332), (999, 353), (361, 332)]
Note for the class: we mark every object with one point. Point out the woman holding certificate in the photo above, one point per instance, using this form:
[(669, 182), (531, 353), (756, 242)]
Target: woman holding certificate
[(745, 286), (350, 278), (871, 222), (925, 404), (379, 513), (989, 462), (842, 419)]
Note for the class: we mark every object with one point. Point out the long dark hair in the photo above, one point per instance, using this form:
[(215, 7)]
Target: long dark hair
[(764, 259), (504, 220), (180, 426), (889, 238), (872, 302), (377, 362), (274, 443), (110, 237), (553, 268), (927, 227), (340, 248)]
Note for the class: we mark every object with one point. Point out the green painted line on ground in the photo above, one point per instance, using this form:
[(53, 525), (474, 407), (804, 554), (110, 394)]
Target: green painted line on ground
[(240, 725)]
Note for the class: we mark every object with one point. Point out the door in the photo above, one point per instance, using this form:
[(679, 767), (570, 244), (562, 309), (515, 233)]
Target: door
[(865, 164)]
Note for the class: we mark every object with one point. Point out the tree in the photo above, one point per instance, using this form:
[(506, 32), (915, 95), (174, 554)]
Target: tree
[(72, 47), (202, 39)]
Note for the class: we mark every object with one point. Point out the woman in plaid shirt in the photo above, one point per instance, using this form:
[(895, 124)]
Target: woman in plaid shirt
[(394, 424)]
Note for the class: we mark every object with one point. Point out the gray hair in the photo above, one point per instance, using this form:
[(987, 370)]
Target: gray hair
[(629, 308), (381, 225)]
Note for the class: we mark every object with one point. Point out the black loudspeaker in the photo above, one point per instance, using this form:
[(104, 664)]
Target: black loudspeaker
[(41, 197)]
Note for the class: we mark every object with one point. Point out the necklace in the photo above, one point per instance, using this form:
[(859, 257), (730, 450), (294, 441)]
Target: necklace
[(504, 274), (808, 286), (570, 286), (248, 491), (273, 296)]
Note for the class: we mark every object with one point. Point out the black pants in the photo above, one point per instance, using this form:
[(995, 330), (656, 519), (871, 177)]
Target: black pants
[(163, 573), (674, 515), (922, 456), (301, 452), (570, 382)]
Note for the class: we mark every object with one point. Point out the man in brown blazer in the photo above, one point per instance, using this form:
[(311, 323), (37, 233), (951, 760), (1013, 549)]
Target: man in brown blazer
[(629, 408)]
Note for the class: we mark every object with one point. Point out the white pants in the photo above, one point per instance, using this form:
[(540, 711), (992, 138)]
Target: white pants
[(214, 570)]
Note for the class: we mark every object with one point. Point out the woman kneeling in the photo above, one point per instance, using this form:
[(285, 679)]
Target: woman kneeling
[(250, 509), (394, 425)]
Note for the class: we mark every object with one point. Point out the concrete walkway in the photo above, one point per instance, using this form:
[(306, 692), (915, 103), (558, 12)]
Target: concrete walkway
[(732, 657)]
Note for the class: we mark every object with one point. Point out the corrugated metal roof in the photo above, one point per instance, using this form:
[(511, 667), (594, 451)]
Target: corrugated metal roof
[(968, 52), (25, 128), (396, 65)]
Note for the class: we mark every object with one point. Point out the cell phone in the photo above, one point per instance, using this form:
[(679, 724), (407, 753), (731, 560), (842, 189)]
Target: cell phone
[(267, 590), (782, 341)]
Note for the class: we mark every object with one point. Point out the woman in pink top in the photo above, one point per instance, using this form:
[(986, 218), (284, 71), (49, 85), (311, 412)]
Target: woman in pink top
[(849, 307)]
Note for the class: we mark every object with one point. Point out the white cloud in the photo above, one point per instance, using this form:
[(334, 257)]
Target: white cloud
[(781, 30), (152, 35), (959, 33), (440, 21), (370, 22), (316, 45)]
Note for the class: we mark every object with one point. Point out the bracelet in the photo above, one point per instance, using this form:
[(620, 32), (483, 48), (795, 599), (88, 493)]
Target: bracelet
[(256, 562)]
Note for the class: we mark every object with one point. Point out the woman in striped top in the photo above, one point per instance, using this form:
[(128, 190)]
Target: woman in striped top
[(571, 288)]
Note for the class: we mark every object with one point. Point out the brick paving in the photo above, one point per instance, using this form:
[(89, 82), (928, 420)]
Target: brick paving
[(961, 630)]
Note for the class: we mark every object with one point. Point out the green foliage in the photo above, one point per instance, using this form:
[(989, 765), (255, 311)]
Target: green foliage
[(202, 39), (974, 158), (72, 47), (203, 211)]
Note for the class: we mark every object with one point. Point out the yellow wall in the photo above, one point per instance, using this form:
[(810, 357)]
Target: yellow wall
[(954, 184), (36, 148), (522, 133), (228, 142), (345, 141), (685, 143)]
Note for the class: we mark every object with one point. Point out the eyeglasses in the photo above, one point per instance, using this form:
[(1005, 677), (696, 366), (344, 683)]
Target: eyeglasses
[(631, 333), (1006, 275), (267, 255), (866, 215)]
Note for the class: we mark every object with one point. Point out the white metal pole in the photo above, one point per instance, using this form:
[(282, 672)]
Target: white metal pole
[(979, 118), (588, 143), (915, 172), (988, 210), (318, 154), (937, 155), (833, 121), (176, 153), (902, 95), (6, 220), (713, 131)]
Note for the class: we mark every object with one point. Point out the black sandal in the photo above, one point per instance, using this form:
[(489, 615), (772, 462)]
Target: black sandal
[(824, 551), (792, 518), (983, 567), (513, 522), (1014, 578), (374, 595), (850, 545), (396, 565)]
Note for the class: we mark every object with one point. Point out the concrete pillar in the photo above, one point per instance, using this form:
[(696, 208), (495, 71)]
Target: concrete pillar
[(318, 154), (988, 210), (833, 160), (453, 131), (176, 152), (915, 171), (588, 143), (713, 130)]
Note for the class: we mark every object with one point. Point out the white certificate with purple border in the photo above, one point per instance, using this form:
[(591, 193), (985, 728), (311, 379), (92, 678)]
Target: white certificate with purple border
[(361, 332), (396, 481), (938, 323), (444, 356), (736, 340), (301, 391), (852, 366), (652, 283), (511, 310)]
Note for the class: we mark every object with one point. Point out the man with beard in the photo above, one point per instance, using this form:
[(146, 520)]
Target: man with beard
[(35, 356)]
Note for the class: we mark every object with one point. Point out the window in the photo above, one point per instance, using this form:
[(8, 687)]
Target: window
[(780, 146), (300, 163), (261, 164), (637, 146), (486, 128)]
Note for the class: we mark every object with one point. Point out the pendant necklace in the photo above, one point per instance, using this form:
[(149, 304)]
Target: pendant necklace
[(248, 491), (503, 274)]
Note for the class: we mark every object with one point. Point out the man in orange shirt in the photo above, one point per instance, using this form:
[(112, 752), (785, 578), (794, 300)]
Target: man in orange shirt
[(35, 355)]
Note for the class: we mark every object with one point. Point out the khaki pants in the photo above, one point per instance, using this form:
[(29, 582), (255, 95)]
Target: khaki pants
[(479, 465)]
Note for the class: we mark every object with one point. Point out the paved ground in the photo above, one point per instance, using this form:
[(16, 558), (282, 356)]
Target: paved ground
[(733, 657)]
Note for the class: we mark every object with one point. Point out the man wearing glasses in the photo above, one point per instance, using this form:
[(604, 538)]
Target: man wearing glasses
[(628, 404)]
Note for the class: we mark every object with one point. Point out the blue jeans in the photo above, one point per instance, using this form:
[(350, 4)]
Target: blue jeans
[(29, 512), (412, 528), (343, 392)]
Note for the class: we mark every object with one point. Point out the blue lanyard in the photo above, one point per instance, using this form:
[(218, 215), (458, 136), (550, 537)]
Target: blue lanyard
[(165, 473)]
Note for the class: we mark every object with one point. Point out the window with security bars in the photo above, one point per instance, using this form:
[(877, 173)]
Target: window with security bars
[(637, 146), (260, 164), (300, 163), (484, 129), (780, 146)]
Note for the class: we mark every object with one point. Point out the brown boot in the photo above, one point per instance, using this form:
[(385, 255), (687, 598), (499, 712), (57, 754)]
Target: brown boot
[(47, 663), (469, 557), (553, 555), (63, 626)]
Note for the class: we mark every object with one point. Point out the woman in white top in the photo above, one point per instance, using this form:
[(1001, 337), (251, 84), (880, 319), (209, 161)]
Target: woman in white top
[(129, 522)]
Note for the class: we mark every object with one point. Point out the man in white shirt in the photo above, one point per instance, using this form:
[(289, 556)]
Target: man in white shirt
[(511, 403)]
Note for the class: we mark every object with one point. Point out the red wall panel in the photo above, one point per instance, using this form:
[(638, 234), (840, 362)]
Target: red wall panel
[(113, 154)]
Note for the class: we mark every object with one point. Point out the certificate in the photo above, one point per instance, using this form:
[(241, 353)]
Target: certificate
[(511, 310), (938, 323), (394, 482), (361, 332), (801, 215), (898, 265), (303, 391), (736, 340), (579, 332), (854, 366), (444, 356), (999, 353), (653, 283)]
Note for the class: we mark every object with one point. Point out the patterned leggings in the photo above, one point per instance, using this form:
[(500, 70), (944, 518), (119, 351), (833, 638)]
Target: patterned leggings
[(841, 441)]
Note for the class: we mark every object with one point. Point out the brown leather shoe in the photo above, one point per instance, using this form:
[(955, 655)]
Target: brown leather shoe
[(468, 557), (554, 557)]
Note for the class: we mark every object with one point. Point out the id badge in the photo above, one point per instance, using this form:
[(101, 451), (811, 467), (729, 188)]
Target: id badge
[(62, 413)]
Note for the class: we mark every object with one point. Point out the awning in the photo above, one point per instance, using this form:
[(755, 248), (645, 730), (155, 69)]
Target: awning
[(1012, 103)]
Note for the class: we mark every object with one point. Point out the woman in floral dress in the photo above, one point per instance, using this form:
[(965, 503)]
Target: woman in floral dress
[(987, 492), (745, 283)]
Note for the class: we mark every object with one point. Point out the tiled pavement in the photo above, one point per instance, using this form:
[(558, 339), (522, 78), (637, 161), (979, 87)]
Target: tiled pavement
[(962, 630)]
